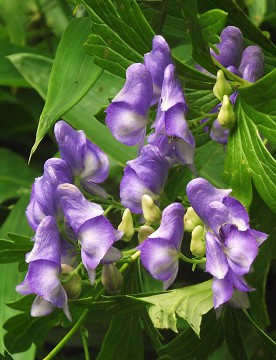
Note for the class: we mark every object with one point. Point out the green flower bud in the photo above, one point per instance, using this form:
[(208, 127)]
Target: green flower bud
[(191, 220), (71, 283), (222, 86), (197, 246), (144, 232), (126, 225), (112, 279), (226, 116), (151, 212)]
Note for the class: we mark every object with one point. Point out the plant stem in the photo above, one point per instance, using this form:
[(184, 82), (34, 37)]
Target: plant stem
[(84, 338), (69, 277), (192, 261)]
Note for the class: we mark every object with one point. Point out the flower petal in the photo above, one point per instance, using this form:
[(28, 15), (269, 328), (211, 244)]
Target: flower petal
[(156, 62), (252, 63), (241, 250), (41, 307), (71, 144), (75, 206), (112, 256), (160, 258), (96, 237), (223, 290), (201, 193), (216, 262), (238, 213), (259, 236), (47, 242)]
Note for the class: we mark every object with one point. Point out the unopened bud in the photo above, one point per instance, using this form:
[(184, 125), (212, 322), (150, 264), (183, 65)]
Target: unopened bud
[(222, 86), (226, 116), (197, 246), (112, 279), (191, 220), (126, 225), (71, 283), (151, 212), (144, 232)]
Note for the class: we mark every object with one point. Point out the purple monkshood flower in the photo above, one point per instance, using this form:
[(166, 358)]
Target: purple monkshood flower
[(93, 231), (231, 246), (146, 174), (127, 115), (230, 47), (172, 135), (160, 251), (156, 61), (43, 200), (43, 277), (84, 158)]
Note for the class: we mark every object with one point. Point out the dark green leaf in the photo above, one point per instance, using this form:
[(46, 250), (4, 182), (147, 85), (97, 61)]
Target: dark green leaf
[(212, 23), (6, 356), (16, 176), (233, 335), (72, 75), (14, 250)]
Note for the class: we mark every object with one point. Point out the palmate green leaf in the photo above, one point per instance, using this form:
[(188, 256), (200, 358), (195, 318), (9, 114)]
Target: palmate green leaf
[(212, 23), (36, 71), (190, 303), (247, 157), (72, 75), (16, 176)]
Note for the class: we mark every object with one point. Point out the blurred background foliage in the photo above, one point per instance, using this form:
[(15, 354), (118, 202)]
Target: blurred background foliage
[(30, 32)]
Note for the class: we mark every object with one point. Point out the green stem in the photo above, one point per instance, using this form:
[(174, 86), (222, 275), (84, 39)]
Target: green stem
[(84, 338), (192, 261), (80, 321), (107, 210), (69, 277)]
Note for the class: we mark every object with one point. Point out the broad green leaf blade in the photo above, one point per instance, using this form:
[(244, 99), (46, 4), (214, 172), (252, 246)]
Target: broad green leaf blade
[(190, 303), (260, 104), (233, 335), (14, 250), (73, 74), (16, 176), (257, 10), (36, 71), (248, 157)]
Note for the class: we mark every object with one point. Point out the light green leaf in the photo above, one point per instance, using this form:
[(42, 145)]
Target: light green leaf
[(16, 176), (256, 10), (36, 70), (190, 303), (73, 74)]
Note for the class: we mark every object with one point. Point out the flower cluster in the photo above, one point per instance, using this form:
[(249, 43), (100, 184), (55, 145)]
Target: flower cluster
[(63, 218), (247, 64), (231, 246), (71, 229)]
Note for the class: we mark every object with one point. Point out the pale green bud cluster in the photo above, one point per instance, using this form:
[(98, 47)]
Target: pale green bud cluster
[(112, 279), (126, 225), (226, 116), (222, 86), (197, 246), (151, 212), (191, 220)]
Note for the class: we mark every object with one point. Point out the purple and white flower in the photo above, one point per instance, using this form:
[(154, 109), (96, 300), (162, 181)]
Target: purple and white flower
[(252, 63), (85, 159), (161, 250), (93, 231), (127, 115), (144, 175), (43, 277), (231, 246)]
